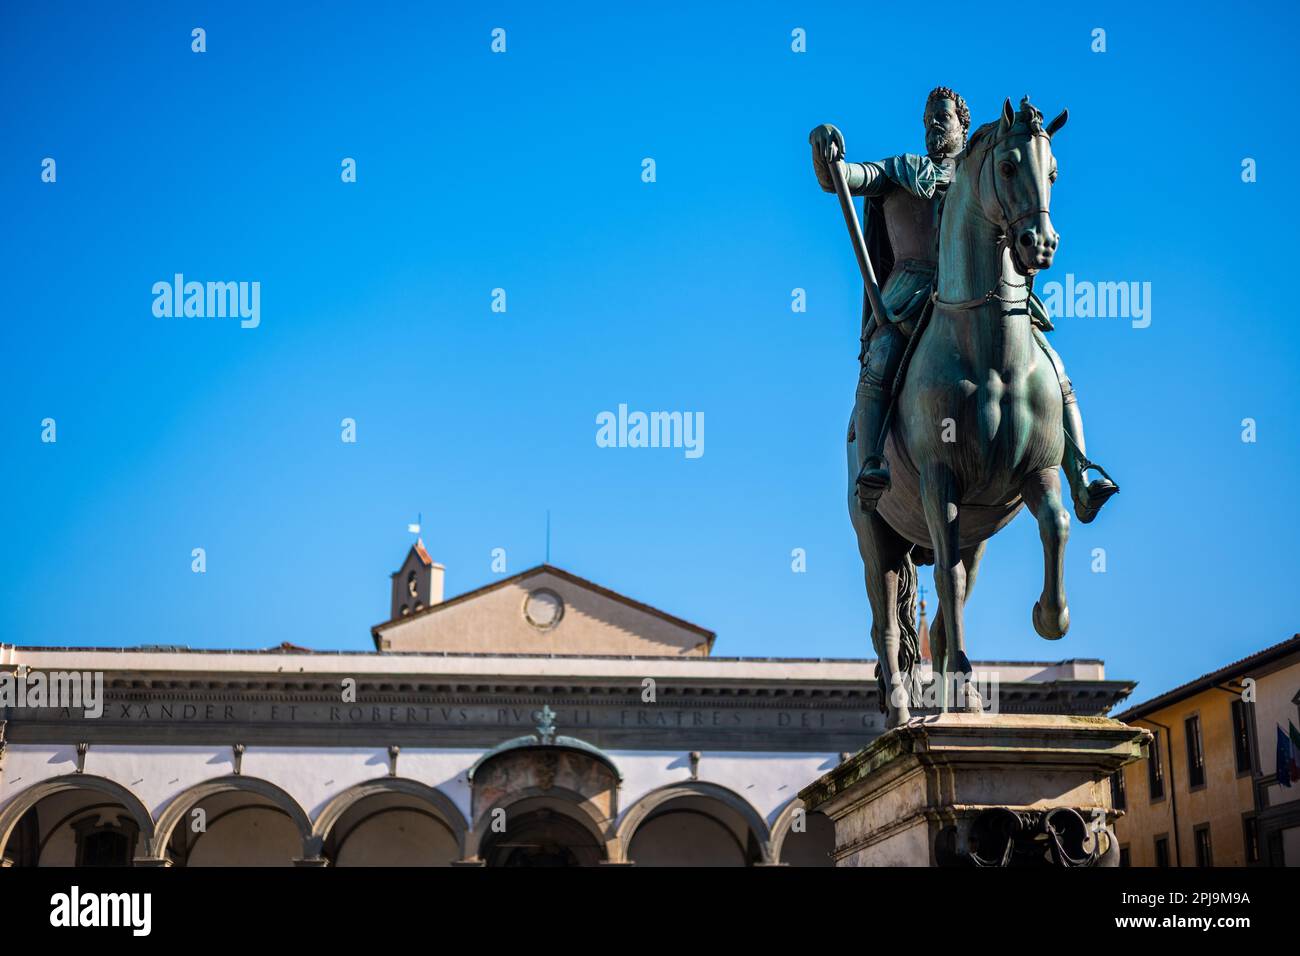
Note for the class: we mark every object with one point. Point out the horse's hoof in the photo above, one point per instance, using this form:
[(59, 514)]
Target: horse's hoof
[(897, 717), (971, 701), (1052, 628)]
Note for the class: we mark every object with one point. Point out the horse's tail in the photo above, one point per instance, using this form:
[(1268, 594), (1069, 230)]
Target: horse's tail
[(909, 643)]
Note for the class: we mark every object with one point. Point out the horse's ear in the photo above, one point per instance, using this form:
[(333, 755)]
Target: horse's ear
[(1008, 115), (1057, 123)]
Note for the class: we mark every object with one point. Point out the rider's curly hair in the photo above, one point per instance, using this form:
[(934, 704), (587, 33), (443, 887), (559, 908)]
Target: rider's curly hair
[(944, 93)]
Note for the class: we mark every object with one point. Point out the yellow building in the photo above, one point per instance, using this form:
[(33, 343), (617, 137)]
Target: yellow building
[(1208, 793)]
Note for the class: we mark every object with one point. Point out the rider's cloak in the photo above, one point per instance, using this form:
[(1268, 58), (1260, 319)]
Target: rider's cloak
[(905, 293)]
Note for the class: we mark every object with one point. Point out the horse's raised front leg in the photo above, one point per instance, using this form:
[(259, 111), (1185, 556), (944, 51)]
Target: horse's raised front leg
[(940, 497), (1042, 493)]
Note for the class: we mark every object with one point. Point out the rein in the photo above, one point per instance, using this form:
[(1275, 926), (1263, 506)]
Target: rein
[(983, 300), (1004, 242)]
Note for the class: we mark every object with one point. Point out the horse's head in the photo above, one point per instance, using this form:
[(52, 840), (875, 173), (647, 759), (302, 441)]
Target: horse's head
[(1016, 175)]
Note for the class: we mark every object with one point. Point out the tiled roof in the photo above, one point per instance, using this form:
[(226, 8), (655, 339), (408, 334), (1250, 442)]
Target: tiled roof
[(1236, 669), (285, 647)]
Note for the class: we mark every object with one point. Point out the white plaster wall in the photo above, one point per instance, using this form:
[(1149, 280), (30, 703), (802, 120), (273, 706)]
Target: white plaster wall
[(316, 775), (26, 765), (766, 781)]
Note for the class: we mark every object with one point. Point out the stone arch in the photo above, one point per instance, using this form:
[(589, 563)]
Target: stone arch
[(570, 803), (442, 806), (187, 799), (29, 797), (639, 812), (781, 829), (781, 826)]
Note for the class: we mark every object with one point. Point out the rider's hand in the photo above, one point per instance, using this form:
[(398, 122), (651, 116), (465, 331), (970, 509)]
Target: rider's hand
[(827, 143)]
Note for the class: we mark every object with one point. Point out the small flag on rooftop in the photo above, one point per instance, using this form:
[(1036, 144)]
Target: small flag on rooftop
[(415, 528)]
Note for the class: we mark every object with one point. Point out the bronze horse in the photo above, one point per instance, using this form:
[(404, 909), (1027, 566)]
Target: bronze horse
[(977, 430)]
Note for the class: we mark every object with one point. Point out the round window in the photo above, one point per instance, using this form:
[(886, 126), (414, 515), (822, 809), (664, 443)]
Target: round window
[(543, 609)]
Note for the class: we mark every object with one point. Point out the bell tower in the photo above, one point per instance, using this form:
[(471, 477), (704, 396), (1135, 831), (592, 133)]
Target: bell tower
[(417, 584)]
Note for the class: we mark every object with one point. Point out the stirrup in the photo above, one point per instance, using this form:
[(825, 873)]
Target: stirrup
[(1098, 493)]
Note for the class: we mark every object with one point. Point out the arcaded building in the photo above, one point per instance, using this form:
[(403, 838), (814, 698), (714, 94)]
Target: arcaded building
[(541, 720)]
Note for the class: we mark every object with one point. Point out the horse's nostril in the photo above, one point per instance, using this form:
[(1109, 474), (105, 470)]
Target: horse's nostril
[(1026, 239)]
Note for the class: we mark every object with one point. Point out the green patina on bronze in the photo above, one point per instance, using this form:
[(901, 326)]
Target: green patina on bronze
[(964, 413)]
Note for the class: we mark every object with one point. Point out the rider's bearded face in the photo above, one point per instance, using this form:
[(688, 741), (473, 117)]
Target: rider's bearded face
[(943, 132)]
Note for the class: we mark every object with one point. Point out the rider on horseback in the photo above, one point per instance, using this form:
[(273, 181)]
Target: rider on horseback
[(904, 199)]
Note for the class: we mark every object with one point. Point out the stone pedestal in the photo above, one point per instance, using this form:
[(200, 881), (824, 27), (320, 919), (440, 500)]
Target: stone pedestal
[(980, 790)]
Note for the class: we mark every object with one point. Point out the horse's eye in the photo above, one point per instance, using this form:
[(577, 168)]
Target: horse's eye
[(1007, 168), (1052, 177)]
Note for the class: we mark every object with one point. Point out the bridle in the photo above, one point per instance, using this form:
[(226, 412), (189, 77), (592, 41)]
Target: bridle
[(1002, 207), (1004, 239)]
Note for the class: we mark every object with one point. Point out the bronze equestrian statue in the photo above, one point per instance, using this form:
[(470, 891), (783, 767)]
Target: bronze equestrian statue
[(985, 414)]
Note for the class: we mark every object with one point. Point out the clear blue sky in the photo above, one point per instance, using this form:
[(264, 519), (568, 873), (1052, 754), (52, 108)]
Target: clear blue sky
[(523, 171)]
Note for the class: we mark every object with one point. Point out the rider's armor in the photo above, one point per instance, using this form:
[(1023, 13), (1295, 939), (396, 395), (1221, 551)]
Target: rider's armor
[(904, 194)]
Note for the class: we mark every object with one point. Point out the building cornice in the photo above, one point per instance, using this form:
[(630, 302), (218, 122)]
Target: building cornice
[(1256, 665), (425, 666)]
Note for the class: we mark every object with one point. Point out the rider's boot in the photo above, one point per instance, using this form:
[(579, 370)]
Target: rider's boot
[(868, 419), (1089, 497)]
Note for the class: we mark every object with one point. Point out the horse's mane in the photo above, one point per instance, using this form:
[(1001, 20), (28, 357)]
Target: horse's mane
[(1029, 119), (975, 143)]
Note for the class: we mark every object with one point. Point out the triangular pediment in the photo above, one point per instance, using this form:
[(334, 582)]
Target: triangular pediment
[(544, 610)]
